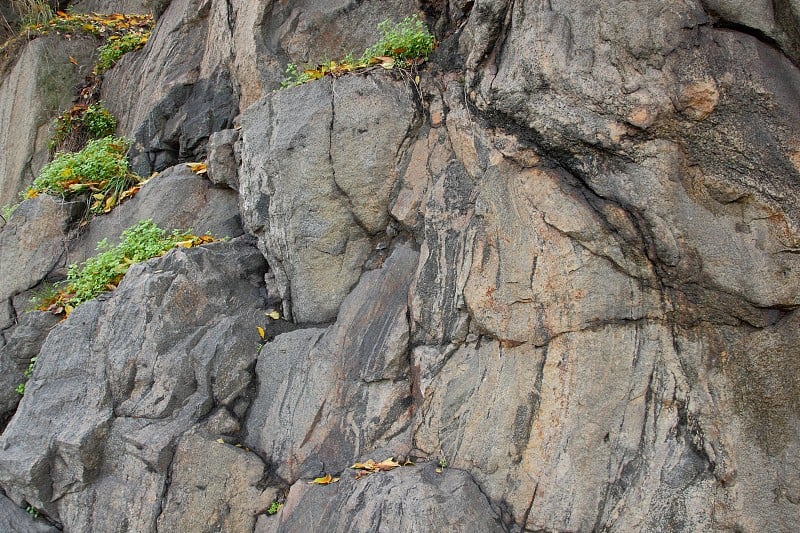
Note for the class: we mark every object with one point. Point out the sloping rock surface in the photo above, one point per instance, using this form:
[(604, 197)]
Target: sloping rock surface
[(563, 262)]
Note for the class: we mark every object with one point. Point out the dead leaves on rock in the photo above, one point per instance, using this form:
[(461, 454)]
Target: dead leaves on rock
[(370, 467), (364, 469), (327, 479), (197, 168)]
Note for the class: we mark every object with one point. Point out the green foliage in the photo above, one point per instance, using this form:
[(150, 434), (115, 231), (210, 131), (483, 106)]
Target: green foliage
[(104, 271), (117, 46), (274, 507), (100, 168), (406, 40), (7, 210), (31, 510), (74, 127), (20, 389), (294, 77), (404, 44), (98, 121)]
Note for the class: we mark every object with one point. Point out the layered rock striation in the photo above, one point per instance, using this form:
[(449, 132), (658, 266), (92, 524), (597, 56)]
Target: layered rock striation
[(556, 277)]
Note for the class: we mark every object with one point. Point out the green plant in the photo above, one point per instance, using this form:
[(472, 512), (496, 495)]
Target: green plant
[(20, 389), (294, 77), (117, 46), (274, 507), (101, 169), (404, 44), (81, 123), (406, 40), (7, 210), (103, 271), (33, 511)]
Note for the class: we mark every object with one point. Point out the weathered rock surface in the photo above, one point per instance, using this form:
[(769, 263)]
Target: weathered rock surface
[(406, 499), (32, 244), (23, 344), (133, 373), (327, 396), (565, 264), (318, 171), (176, 198), (32, 93), (15, 520)]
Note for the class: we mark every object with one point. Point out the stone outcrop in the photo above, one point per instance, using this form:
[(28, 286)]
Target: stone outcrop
[(35, 88), (558, 273)]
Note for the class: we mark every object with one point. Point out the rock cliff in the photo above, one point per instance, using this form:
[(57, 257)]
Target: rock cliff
[(553, 272)]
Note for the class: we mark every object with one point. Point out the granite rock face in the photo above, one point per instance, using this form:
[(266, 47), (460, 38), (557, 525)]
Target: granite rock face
[(556, 278)]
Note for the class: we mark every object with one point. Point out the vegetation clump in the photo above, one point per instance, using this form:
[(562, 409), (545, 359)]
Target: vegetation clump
[(104, 271), (81, 123), (116, 46), (100, 169), (403, 45)]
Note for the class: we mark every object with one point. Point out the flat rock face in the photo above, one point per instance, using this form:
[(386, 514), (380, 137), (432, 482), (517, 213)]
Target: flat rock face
[(318, 170), (33, 92), (406, 499), (563, 262)]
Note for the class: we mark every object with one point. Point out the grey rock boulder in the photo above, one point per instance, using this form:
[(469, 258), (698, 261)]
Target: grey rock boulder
[(214, 486), (33, 91), (223, 158), (175, 199), (411, 498), (23, 345), (32, 244), (327, 396), (318, 171), (119, 381)]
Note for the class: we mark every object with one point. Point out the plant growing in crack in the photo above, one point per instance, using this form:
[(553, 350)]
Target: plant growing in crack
[(403, 45)]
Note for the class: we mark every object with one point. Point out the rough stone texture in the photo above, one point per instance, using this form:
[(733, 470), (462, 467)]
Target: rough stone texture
[(33, 92), (566, 263), (113, 6), (213, 487), (327, 396), (23, 344), (318, 169), (131, 374), (207, 59), (176, 198), (405, 499), (32, 243), (223, 158), (16, 520)]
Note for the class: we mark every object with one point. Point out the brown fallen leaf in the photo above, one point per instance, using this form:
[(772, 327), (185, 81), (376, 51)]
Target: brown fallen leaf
[(73, 60)]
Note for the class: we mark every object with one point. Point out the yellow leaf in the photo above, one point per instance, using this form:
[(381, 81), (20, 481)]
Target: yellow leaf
[(111, 201), (68, 309), (416, 79), (327, 479), (185, 244), (261, 332), (197, 168), (31, 193), (274, 315), (387, 464), (221, 441)]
